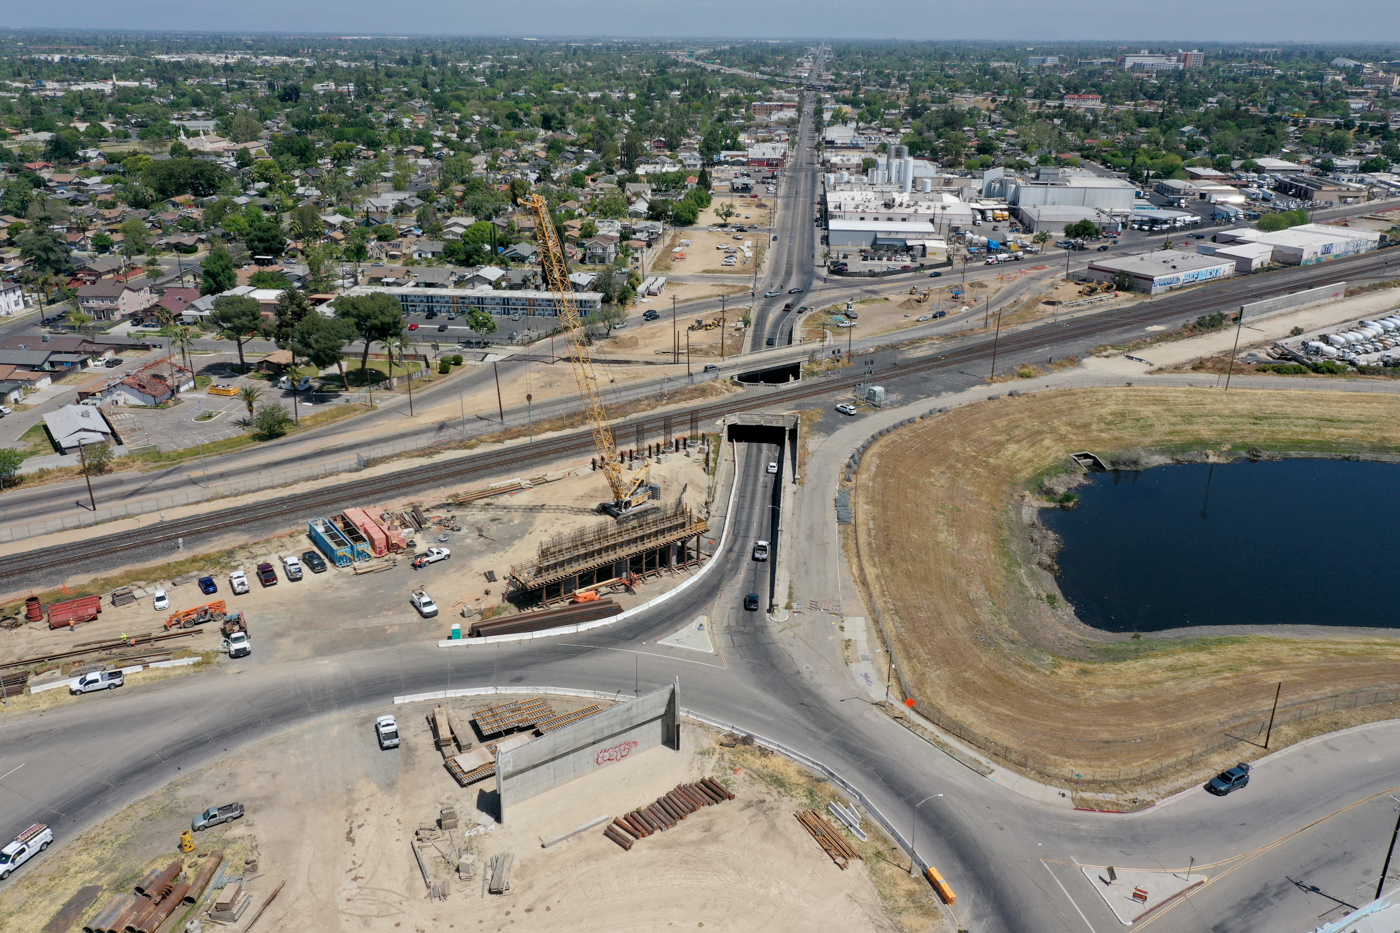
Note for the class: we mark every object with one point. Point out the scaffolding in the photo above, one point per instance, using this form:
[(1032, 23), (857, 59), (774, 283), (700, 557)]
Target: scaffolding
[(660, 541)]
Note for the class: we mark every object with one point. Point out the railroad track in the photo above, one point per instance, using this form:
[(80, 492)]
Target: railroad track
[(321, 501)]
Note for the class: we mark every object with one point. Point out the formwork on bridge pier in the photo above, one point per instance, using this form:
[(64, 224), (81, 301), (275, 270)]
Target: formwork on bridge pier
[(659, 541)]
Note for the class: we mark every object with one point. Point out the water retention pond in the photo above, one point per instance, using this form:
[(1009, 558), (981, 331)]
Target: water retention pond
[(1287, 542)]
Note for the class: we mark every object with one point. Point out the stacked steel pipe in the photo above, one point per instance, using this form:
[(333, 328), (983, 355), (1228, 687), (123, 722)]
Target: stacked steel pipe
[(665, 812), (158, 895), (828, 837)]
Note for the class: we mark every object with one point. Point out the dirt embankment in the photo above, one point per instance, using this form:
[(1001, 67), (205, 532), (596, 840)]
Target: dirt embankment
[(988, 646)]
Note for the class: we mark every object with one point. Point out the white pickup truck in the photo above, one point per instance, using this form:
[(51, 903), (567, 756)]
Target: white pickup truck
[(34, 839), (292, 565), (238, 582)]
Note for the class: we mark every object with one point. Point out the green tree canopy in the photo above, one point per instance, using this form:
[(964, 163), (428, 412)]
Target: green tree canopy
[(376, 317), (238, 318), (46, 251), (219, 275)]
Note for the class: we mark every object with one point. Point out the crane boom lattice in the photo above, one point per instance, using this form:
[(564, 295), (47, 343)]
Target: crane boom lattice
[(556, 276)]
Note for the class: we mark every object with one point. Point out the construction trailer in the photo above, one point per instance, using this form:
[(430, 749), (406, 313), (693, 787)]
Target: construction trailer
[(331, 542), (359, 545), (657, 542)]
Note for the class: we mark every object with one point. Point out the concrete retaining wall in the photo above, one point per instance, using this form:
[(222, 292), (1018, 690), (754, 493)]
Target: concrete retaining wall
[(600, 740)]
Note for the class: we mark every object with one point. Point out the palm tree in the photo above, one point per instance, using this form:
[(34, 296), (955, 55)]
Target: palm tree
[(396, 347), (249, 396)]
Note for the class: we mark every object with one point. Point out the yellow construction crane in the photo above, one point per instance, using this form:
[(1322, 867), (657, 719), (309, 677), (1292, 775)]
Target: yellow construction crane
[(626, 491)]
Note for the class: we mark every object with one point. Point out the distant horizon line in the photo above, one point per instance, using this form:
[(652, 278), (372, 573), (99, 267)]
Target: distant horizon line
[(575, 38)]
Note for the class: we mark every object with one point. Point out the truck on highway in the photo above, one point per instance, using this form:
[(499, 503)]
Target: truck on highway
[(216, 815), (33, 840)]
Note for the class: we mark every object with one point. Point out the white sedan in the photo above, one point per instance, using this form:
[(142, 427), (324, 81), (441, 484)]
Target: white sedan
[(772, 466), (846, 409)]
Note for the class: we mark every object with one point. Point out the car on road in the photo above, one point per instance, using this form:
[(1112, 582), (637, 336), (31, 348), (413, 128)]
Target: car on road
[(771, 294), (161, 603), (387, 729), (267, 575), (1103, 248), (651, 315), (795, 291), (760, 550), (803, 309), (751, 602), (772, 466), (207, 586), (413, 326), (1229, 780), (424, 604), (315, 561), (442, 327), (770, 341), (238, 582), (216, 815), (26, 845), (97, 680), (924, 317), (846, 408)]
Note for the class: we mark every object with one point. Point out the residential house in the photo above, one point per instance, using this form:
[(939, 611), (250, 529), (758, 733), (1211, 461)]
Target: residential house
[(11, 393), (176, 302), (601, 250), (110, 300), (428, 249), (99, 267), (152, 384), (23, 375), (73, 426), (518, 279), (486, 275), (583, 281), (521, 252), (11, 298), (433, 277), (637, 189)]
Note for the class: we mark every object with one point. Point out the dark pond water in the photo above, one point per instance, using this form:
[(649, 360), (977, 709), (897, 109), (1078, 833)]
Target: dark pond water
[(1306, 542)]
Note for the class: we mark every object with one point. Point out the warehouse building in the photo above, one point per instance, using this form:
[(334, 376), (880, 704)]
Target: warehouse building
[(1053, 218), (1248, 257), (1307, 244), (1162, 271)]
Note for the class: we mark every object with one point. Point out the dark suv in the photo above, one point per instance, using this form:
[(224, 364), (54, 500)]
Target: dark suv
[(1230, 780)]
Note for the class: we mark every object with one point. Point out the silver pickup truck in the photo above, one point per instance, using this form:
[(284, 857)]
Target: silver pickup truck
[(216, 815)]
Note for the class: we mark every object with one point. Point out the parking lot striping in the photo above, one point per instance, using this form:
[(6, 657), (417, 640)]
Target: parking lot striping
[(13, 770), (648, 654), (1068, 898)]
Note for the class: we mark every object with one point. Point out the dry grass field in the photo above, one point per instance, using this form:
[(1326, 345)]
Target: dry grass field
[(944, 510)]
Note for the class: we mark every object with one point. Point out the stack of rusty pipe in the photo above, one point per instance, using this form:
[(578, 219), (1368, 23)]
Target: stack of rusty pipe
[(665, 812), (158, 895)]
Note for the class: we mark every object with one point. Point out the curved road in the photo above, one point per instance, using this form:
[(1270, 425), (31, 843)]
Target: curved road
[(77, 762)]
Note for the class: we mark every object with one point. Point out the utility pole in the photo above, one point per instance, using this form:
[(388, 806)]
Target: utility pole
[(995, 341), (1231, 371), (499, 406), (675, 334), (530, 413), (82, 454), (1277, 691), (687, 354)]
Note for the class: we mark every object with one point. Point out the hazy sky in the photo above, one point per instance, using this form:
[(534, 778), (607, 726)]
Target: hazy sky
[(1133, 21)]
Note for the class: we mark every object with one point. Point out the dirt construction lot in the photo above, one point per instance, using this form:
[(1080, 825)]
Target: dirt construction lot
[(943, 538), (332, 815)]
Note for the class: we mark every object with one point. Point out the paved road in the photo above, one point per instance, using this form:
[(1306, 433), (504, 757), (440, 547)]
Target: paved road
[(73, 764)]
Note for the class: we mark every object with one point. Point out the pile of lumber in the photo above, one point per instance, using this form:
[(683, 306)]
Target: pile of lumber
[(828, 837), (666, 812), (513, 715)]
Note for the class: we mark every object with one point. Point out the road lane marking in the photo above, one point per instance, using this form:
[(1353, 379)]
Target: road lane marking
[(646, 654), (12, 770), (1068, 898)]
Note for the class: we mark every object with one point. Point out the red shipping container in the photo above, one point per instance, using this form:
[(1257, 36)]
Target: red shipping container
[(70, 613)]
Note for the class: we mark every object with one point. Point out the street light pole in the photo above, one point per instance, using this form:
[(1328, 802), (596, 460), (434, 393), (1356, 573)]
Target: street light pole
[(1390, 851), (914, 828), (995, 341)]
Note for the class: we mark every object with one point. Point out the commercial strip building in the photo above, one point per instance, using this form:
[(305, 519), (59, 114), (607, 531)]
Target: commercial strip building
[(1161, 271), (1302, 245), (523, 303)]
